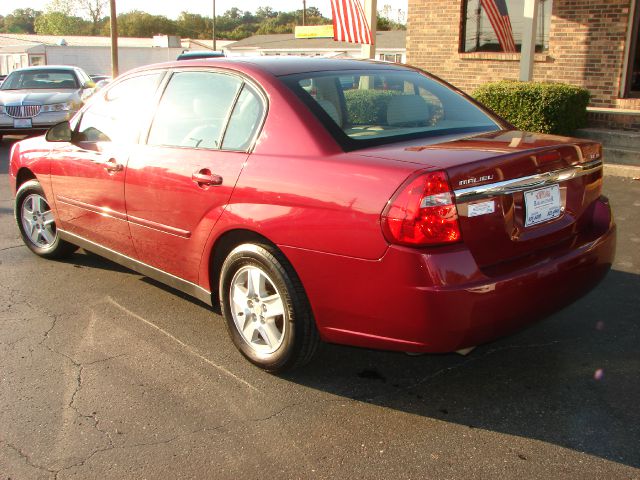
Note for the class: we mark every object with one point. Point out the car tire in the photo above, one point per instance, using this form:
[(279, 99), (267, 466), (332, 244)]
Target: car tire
[(267, 312), (37, 224)]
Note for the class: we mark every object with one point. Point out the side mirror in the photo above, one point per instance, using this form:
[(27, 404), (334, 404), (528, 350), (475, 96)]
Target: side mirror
[(60, 132), (88, 85), (84, 96)]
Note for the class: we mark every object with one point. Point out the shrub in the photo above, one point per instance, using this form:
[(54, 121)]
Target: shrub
[(368, 107), (535, 106)]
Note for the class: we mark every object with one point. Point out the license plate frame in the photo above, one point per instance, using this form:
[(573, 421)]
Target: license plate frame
[(22, 123), (542, 205)]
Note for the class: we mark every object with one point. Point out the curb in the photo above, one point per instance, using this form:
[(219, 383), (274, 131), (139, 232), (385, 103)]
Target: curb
[(616, 170)]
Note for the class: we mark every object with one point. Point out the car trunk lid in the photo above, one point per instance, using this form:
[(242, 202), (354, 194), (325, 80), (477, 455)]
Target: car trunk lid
[(516, 193)]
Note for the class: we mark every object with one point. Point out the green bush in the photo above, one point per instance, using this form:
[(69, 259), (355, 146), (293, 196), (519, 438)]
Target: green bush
[(537, 107), (367, 107)]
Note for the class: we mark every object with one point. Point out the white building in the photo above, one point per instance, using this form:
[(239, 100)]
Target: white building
[(390, 46), (93, 54)]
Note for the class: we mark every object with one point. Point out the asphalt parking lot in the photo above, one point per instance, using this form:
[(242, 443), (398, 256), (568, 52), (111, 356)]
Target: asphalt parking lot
[(107, 374)]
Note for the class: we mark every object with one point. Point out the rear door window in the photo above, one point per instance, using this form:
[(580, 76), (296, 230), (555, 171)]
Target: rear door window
[(245, 120), (194, 109)]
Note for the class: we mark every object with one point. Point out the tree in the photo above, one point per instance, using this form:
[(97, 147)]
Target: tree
[(58, 23), (88, 17), (142, 24), (265, 12), (234, 13), (384, 24), (21, 20), (68, 7), (95, 9), (193, 25), (314, 12)]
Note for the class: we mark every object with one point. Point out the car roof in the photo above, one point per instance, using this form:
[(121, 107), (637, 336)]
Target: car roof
[(289, 65), (48, 67)]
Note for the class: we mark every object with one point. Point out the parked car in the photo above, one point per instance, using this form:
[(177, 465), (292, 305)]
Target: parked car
[(98, 78), (33, 99), (199, 54), (411, 220)]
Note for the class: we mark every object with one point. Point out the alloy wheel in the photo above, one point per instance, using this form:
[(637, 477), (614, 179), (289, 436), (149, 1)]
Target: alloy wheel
[(257, 309), (37, 221)]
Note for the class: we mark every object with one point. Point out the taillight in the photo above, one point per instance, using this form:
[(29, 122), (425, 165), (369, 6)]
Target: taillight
[(590, 152), (422, 212)]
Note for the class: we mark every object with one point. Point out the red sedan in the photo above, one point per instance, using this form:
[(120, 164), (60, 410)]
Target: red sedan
[(352, 202)]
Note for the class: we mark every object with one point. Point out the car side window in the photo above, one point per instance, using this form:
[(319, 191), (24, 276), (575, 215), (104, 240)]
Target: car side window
[(194, 109), (116, 116), (245, 120)]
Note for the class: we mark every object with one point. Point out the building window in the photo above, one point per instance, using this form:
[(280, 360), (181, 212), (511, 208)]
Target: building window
[(497, 25), (36, 60), (390, 57), (633, 61)]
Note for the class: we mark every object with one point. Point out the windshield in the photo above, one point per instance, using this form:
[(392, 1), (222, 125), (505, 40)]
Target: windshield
[(363, 108), (40, 80)]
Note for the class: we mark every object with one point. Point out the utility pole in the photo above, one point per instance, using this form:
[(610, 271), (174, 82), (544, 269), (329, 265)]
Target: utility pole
[(304, 12), (114, 39), (213, 25)]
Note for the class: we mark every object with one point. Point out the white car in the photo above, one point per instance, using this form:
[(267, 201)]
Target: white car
[(35, 98)]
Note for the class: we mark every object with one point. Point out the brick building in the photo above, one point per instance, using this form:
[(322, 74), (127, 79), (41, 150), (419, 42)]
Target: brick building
[(590, 43)]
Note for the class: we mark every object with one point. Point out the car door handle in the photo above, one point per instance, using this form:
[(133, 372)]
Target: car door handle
[(112, 165), (205, 177)]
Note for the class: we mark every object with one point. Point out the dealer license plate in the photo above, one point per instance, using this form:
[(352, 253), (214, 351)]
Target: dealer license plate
[(541, 205), (22, 123)]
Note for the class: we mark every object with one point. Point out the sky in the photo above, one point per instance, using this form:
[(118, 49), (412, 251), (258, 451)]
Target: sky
[(172, 9)]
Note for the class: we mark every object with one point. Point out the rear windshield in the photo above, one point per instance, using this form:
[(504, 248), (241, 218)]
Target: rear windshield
[(40, 79), (364, 108)]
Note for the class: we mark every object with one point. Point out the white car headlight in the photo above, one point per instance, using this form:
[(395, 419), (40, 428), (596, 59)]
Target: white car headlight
[(57, 107)]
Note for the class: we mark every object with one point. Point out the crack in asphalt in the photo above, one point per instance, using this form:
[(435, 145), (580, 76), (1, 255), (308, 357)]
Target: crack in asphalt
[(227, 424), (93, 417), (82, 462), (11, 247), (11, 344), (26, 457), (80, 366), (111, 447), (95, 421)]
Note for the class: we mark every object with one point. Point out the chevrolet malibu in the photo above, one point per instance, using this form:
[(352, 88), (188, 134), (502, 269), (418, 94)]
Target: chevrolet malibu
[(315, 200), (35, 98)]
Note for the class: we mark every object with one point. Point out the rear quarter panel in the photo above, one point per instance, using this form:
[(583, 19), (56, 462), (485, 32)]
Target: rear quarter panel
[(328, 204)]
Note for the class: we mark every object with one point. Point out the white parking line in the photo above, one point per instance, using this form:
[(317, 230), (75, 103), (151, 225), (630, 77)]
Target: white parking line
[(184, 345)]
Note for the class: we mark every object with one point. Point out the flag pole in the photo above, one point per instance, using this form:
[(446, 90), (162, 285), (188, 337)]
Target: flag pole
[(528, 47), (370, 13)]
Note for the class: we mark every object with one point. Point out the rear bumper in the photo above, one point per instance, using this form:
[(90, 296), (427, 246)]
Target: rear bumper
[(442, 301)]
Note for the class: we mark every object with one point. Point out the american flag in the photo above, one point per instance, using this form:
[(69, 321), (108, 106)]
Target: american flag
[(499, 17), (349, 22)]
